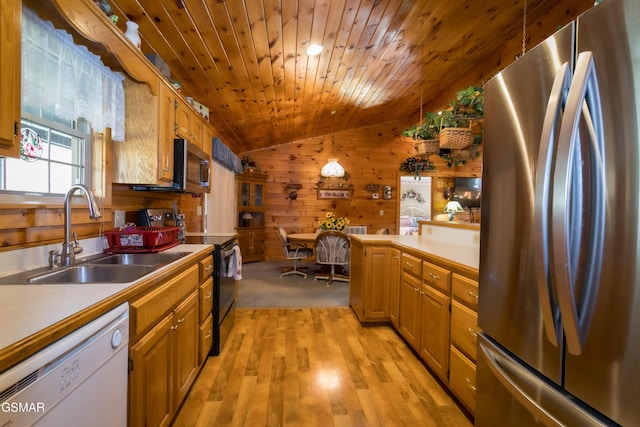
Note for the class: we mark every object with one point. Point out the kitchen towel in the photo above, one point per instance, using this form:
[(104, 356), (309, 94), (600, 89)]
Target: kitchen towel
[(234, 269)]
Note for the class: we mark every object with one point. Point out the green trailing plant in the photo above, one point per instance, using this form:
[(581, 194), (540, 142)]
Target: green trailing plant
[(428, 129), (469, 102)]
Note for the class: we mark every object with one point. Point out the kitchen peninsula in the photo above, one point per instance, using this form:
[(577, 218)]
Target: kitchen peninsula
[(427, 288)]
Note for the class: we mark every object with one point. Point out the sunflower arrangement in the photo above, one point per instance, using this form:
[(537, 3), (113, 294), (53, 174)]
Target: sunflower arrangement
[(332, 222)]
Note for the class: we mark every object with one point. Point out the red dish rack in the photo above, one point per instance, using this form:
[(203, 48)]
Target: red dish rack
[(142, 239)]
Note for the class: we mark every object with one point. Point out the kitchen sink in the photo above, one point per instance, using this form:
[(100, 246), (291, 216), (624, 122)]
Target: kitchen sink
[(92, 273), (115, 268), (158, 259)]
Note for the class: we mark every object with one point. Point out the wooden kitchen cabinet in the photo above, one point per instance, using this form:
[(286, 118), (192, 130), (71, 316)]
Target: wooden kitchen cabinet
[(394, 286), (373, 277), (464, 339), (146, 156), (10, 48), (251, 192), (251, 242), (434, 336), (205, 293), (186, 328), (410, 302), (165, 364), (434, 308), (207, 138), (189, 124), (164, 325), (150, 380), (250, 225)]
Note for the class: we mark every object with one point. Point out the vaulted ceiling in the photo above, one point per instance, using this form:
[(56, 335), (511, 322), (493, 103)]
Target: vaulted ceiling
[(380, 60)]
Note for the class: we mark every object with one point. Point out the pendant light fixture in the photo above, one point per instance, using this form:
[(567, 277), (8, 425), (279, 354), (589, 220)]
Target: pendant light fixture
[(332, 169)]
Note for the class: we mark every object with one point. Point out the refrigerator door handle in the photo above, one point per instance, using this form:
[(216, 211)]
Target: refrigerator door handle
[(551, 406), (583, 101), (509, 375), (544, 169)]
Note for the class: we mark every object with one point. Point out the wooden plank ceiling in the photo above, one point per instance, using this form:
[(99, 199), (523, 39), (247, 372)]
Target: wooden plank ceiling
[(381, 59)]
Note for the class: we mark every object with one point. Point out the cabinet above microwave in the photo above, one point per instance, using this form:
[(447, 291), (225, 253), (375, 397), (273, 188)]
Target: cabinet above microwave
[(146, 159)]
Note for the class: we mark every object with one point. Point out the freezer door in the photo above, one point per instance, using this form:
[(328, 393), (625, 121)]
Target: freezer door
[(514, 395), (605, 374), (512, 309)]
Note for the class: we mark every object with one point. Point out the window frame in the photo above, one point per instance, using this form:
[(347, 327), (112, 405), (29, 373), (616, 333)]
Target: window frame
[(82, 131)]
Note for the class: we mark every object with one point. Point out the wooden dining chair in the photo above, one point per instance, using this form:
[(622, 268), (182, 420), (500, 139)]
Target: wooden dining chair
[(332, 248), (294, 252)]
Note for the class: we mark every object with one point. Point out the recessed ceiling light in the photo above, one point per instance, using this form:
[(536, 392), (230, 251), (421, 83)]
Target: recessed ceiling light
[(314, 49)]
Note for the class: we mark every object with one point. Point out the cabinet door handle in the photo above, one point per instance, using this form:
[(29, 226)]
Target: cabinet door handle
[(470, 384), (472, 332), (209, 333), (208, 268), (209, 295), (409, 265), (181, 320), (472, 295), (433, 276)]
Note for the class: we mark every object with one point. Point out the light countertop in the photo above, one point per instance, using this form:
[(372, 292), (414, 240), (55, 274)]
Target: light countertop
[(466, 255), (29, 310)]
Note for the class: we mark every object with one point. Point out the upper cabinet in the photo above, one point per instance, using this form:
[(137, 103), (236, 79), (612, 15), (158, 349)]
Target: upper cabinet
[(10, 40), (192, 126), (146, 155)]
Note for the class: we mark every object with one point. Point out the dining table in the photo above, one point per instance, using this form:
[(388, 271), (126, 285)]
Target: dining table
[(308, 239)]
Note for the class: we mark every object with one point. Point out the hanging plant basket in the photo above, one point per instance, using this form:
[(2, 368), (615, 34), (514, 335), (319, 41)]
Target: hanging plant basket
[(452, 135), (427, 147), (455, 138)]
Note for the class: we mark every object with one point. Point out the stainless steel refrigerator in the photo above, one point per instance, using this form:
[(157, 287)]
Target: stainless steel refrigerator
[(559, 303)]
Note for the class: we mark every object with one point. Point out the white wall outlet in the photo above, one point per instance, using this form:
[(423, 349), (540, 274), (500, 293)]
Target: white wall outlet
[(199, 210), (375, 196), (476, 237), (429, 230), (118, 219), (381, 212)]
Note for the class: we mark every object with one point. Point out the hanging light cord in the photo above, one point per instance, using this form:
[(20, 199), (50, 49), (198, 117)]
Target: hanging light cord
[(524, 27), (421, 81)]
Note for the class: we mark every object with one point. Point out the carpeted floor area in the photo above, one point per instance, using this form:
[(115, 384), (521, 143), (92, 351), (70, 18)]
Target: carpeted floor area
[(262, 287)]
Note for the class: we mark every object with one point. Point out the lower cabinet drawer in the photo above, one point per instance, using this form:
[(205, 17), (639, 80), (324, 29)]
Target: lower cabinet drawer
[(464, 329), (462, 378), (149, 309), (206, 339), (206, 299)]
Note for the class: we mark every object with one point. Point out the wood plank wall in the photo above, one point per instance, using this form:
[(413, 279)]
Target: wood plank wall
[(371, 155)]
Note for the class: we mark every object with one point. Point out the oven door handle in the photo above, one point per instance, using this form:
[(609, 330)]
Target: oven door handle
[(227, 254)]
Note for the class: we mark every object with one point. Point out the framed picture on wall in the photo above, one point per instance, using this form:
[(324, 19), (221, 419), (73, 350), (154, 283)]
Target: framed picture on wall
[(334, 193)]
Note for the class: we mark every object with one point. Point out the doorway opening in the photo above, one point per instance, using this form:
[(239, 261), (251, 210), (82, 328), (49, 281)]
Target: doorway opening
[(415, 203)]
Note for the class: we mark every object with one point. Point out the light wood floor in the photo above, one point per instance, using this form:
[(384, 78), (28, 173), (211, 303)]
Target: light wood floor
[(315, 367)]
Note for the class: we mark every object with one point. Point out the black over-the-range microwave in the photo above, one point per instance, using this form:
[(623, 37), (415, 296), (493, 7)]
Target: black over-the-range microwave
[(190, 169)]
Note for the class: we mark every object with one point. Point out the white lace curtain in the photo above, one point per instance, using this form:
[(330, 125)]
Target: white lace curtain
[(63, 80)]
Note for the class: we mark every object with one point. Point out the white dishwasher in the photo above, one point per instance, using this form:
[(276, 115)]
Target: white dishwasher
[(80, 380)]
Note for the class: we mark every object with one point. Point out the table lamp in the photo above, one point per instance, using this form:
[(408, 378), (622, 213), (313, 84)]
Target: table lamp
[(246, 217), (453, 208)]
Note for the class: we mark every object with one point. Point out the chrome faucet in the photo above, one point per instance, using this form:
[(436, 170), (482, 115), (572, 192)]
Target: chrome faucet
[(70, 245)]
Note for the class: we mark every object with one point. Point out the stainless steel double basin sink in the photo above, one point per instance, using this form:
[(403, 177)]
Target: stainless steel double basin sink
[(116, 268)]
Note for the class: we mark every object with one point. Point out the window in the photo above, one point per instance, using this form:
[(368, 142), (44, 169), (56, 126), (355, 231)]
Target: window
[(54, 157)]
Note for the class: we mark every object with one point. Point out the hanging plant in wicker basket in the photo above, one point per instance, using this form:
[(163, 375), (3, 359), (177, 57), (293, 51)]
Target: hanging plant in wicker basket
[(425, 135), (456, 122)]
